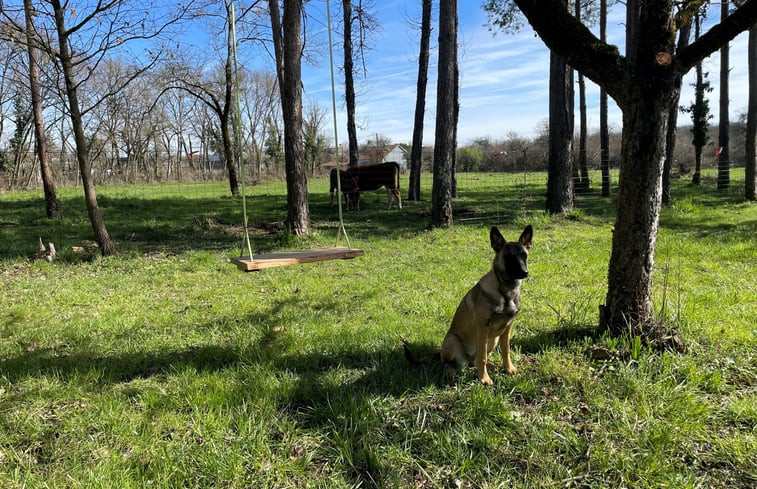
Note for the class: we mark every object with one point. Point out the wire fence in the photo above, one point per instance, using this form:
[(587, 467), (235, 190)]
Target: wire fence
[(495, 196)]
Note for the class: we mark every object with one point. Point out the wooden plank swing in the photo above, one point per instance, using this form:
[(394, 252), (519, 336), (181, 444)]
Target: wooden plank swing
[(253, 262), (271, 260)]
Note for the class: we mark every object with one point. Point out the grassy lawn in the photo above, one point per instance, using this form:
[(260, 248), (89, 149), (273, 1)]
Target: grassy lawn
[(166, 367)]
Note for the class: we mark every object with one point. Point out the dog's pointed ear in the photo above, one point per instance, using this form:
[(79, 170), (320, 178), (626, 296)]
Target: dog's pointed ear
[(525, 237), (496, 239)]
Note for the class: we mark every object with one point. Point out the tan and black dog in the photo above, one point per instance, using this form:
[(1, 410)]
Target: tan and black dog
[(486, 313)]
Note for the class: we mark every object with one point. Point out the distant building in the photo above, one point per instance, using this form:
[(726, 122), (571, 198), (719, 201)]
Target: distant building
[(396, 153)]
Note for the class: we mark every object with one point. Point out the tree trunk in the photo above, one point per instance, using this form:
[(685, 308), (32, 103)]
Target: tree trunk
[(52, 205), (751, 120), (583, 180), (455, 114), (629, 296), (444, 144), (645, 116), (670, 138), (724, 174), (349, 83), (604, 131), (107, 247), (288, 46), (582, 171), (701, 113), (226, 115), (414, 190), (559, 178)]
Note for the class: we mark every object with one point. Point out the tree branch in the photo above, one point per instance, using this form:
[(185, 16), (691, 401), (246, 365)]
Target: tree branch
[(571, 40), (739, 21)]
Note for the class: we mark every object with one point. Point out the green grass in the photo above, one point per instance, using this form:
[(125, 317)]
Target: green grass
[(166, 367)]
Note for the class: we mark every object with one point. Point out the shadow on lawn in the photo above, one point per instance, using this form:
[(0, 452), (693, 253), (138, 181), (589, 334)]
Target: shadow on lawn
[(559, 337)]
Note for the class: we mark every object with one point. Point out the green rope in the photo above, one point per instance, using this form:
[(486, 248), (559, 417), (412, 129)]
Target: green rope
[(341, 229), (238, 132), (237, 122)]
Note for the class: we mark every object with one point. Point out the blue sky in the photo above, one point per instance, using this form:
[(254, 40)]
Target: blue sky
[(504, 78)]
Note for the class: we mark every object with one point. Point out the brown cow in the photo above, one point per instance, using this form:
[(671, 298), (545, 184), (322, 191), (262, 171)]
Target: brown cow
[(348, 184), (372, 177)]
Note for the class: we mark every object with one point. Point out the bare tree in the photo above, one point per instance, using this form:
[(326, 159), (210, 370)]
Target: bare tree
[(580, 169), (52, 205), (313, 137), (287, 42), (751, 120), (349, 83), (414, 190), (559, 179), (644, 83), (79, 39), (444, 139), (260, 104), (724, 158), (358, 23), (670, 138), (604, 131)]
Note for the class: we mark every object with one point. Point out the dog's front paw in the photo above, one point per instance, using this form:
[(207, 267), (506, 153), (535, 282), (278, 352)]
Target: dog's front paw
[(486, 380), (511, 370)]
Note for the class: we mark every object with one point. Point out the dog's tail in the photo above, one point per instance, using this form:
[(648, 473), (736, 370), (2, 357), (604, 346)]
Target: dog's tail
[(410, 356)]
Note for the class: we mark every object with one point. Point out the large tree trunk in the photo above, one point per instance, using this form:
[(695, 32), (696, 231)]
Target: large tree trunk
[(629, 296), (414, 190), (645, 116), (349, 83), (751, 120), (559, 178), (52, 205), (670, 138), (288, 46), (107, 247), (724, 173), (444, 145), (604, 131)]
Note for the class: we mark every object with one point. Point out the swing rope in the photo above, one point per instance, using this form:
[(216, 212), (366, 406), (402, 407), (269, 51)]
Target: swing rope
[(236, 120), (337, 157)]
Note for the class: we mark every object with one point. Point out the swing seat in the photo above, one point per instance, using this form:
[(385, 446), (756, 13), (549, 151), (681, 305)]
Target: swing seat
[(271, 260)]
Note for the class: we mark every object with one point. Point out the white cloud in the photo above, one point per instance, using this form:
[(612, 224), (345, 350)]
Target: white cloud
[(503, 79)]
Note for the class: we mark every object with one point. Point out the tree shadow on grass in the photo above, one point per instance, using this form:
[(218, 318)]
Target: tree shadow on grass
[(561, 336), (332, 390)]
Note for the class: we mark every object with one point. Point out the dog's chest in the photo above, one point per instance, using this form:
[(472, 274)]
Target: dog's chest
[(504, 309)]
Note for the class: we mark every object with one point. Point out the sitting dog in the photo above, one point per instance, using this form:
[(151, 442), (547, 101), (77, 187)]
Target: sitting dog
[(486, 313)]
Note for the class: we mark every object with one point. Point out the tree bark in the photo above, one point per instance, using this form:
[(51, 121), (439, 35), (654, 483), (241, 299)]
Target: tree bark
[(751, 121), (724, 159), (225, 113), (349, 84), (288, 47), (444, 144), (107, 247), (604, 131), (583, 180), (670, 138), (52, 205), (559, 177), (581, 183), (414, 190)]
